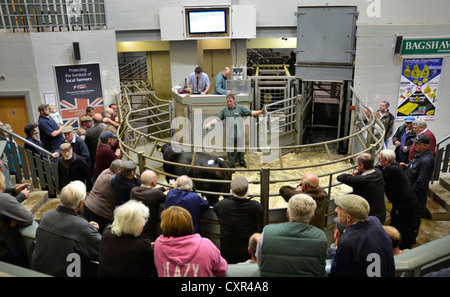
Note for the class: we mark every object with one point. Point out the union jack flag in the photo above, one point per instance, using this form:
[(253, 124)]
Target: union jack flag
[(72, 112)]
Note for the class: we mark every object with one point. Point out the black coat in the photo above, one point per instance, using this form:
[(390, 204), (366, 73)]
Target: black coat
[(409, 142), (74, 169), (239, 219), (370, 187), (397, 188)]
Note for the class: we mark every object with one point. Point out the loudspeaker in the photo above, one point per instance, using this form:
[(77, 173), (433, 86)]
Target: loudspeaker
[(76, 51), (398, 44)]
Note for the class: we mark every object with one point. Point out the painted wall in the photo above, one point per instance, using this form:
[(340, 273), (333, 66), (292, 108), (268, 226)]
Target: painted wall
[(28, 61)]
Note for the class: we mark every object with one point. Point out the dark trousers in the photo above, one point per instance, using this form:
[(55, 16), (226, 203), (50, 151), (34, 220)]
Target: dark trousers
[(402, 220), (91, 216)]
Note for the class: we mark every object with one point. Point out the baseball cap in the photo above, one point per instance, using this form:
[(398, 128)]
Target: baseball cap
[(421, 138), (409, 119), (239, 186), (355, 205)]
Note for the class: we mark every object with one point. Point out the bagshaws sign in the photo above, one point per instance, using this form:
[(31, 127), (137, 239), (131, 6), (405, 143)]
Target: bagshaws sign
[(427, 46)]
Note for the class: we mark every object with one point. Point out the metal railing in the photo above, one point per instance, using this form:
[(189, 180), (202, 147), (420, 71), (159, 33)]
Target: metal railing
[(131, 138), (52, 15), (442, 158), (41, 172)]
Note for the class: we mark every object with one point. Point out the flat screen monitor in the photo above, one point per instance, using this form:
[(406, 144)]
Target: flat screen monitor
[(207, 21)]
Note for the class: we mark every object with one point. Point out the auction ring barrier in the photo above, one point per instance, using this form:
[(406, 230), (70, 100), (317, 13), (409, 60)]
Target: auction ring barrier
[(368, 138)]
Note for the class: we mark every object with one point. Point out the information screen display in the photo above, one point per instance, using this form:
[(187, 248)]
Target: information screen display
[(207, 21)]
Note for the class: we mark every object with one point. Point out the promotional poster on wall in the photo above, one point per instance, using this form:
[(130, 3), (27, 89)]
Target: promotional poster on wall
[(419, 88), (79, 86)]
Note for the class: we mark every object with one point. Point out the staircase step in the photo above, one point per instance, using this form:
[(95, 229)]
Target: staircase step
[(49, 205), (35, 201), (436, 212), (440, 195), (444, 180)]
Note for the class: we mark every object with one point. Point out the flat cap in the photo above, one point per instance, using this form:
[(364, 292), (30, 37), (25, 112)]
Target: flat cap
[(67, 129), (65, 146), (106, 134), (354, 205), (409, 119), (86, 118), (239, 186)]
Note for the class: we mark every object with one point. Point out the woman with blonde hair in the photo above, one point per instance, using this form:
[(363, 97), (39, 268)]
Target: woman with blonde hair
[(179, 252), (123, 252)]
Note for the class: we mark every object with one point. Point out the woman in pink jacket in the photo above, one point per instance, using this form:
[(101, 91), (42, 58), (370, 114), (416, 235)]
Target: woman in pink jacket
[(178, 252)]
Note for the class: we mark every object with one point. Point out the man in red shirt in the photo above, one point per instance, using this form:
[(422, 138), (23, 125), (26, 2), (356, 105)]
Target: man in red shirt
[(104, 154)]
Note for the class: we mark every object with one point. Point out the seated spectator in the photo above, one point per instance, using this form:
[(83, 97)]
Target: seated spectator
[(182, 195), (151, 197), (78, 146), (250, 267), (105, 153), (364, 249), (72, 167), (20, 192), (101, 201), (12, 214), (295, 248), (178, 252), (65, 242), (239, 218), (124, 181), (123, 252)]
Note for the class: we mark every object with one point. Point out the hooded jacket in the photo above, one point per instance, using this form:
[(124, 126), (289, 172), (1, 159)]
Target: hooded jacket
[(188, 256)]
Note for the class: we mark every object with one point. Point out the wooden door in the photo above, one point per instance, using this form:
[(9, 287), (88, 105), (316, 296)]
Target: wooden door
[(13, 110)]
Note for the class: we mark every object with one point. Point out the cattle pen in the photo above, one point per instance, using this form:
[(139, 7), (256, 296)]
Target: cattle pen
[(146, 124)]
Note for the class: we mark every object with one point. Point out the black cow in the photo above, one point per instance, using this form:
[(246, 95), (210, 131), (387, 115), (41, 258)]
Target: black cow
[(201, 159)]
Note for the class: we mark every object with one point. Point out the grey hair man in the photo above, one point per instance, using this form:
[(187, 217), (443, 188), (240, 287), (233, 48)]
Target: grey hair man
[(61, 232), (295, 248), (184, 196)]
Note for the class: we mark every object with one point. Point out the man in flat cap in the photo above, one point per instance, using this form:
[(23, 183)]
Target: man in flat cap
[(419, 172), (239, 218), (85, 123), (79, 147), (72, 167), (364, 249)]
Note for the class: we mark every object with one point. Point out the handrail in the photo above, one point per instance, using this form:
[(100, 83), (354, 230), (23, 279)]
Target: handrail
[(443, 140), (125, 128), (26, 141)]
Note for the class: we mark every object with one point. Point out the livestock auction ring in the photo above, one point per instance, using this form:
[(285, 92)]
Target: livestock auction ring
[(150, 124)]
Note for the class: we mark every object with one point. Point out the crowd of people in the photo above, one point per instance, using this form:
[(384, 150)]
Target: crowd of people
[(109, 215)]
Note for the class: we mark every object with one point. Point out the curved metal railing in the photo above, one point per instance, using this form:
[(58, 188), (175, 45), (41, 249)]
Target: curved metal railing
[(132, 140)]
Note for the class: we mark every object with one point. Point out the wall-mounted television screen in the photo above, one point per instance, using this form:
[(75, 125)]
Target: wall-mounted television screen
[(207, 21)]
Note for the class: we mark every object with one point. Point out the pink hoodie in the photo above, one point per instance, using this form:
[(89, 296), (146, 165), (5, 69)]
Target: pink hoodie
[(188, 256)]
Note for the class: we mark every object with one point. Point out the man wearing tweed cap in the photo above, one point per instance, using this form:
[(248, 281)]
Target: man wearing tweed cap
[(364, 248)]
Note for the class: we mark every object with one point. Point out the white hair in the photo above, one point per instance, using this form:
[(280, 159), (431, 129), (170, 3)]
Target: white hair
[(184, 183), (72, 194), (130, 218), (388, 155), (301, 208)]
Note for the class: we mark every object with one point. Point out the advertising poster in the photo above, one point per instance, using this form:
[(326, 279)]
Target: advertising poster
[(79, 86), (419, 88)]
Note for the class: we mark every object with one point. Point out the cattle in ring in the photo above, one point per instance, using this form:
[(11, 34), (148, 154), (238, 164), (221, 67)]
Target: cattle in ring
[(201, 159)]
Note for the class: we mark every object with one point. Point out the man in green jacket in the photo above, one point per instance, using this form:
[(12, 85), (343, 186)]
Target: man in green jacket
[(294, 248), (233, 116)]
